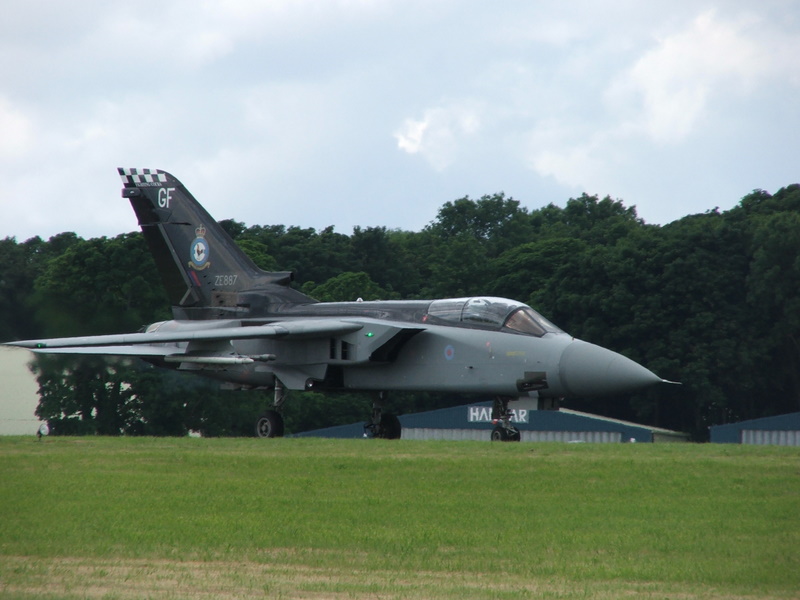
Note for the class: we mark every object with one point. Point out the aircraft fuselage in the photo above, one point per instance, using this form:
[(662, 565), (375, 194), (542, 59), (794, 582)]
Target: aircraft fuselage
[(414, 353)]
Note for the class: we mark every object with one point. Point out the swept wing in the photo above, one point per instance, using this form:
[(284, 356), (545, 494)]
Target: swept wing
[(150, 343)]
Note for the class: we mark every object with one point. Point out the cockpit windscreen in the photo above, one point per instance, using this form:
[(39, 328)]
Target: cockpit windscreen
[(486, 312)]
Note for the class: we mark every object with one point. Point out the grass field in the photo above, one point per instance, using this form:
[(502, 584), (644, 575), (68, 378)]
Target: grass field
[(305, 518)]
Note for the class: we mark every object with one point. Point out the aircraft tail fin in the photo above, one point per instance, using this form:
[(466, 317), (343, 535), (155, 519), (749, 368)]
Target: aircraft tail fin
[(206, 275)]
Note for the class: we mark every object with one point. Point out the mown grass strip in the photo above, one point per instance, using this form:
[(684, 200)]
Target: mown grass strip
[(402, 519)]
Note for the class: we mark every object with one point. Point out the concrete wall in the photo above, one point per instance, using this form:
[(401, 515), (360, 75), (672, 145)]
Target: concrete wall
[(19, 393), (421, 433), (772, 437)]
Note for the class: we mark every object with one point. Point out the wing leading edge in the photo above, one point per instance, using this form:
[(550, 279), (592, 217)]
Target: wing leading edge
[(126, 344)]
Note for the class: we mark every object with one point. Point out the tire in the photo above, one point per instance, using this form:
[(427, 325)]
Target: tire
[(499, 434), (269, 425)]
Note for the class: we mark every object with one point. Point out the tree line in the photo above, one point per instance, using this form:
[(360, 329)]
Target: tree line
[(710, 300)]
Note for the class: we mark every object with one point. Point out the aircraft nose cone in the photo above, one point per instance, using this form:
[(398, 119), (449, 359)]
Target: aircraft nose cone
[(589, 370)]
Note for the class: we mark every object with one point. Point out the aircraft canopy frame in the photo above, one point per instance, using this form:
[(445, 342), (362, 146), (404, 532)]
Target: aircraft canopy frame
[(491, 313)]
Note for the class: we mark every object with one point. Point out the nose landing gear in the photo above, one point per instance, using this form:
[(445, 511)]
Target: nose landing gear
[(383, 425), (503, 431)]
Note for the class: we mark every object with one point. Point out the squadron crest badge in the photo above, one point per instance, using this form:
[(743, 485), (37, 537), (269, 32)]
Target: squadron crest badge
[(198, 251)]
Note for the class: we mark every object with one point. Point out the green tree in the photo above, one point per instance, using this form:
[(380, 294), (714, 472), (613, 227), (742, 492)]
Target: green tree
[(588, 214), (479, 218), (259, 254), (537, 272), (773, 301), (18, 273), (376, 255), (459, 267), (347, 287), (498, 222), (100, 286), (83, 395), (21, 265)]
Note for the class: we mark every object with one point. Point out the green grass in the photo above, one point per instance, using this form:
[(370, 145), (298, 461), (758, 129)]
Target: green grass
[(305, 518)]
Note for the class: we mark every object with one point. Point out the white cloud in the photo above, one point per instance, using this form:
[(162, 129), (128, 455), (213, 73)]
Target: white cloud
[(670, 88), (665, 97), (305, 99), (439, 135), (551, 155)]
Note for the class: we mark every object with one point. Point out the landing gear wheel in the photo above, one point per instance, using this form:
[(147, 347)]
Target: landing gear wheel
[(502, 434), (499, 434), (269, 425)]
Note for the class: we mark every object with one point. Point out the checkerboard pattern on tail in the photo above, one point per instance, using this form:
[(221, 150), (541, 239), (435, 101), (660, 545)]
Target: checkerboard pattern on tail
[(134, 176)]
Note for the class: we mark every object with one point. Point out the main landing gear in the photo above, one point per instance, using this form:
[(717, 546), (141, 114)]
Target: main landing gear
[(383, 425), (503, 430), (270, 424)]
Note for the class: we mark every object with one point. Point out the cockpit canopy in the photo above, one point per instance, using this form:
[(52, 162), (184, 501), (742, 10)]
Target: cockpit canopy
[(491, 313)]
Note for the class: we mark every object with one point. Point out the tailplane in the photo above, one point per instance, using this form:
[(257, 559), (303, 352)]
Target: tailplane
[(206, 275)]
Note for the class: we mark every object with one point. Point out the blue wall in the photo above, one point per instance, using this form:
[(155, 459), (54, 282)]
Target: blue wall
[(458, 417), (732, 434)]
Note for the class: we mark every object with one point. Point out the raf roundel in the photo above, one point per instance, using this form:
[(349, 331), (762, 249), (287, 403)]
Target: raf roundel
[(449, 352)]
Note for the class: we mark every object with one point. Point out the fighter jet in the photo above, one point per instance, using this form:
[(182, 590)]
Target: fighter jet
[(251, 330)]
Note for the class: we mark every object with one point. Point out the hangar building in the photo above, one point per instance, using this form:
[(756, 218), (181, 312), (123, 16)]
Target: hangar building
[(473, 422), (783, 430)]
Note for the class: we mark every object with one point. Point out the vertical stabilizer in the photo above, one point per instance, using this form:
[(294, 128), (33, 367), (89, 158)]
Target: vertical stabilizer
[(206, 275)]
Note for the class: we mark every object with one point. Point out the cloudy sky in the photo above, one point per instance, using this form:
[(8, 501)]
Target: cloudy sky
[(376, 112)]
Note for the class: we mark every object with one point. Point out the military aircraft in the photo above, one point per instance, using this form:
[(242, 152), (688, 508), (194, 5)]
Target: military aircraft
[(250, 329)]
